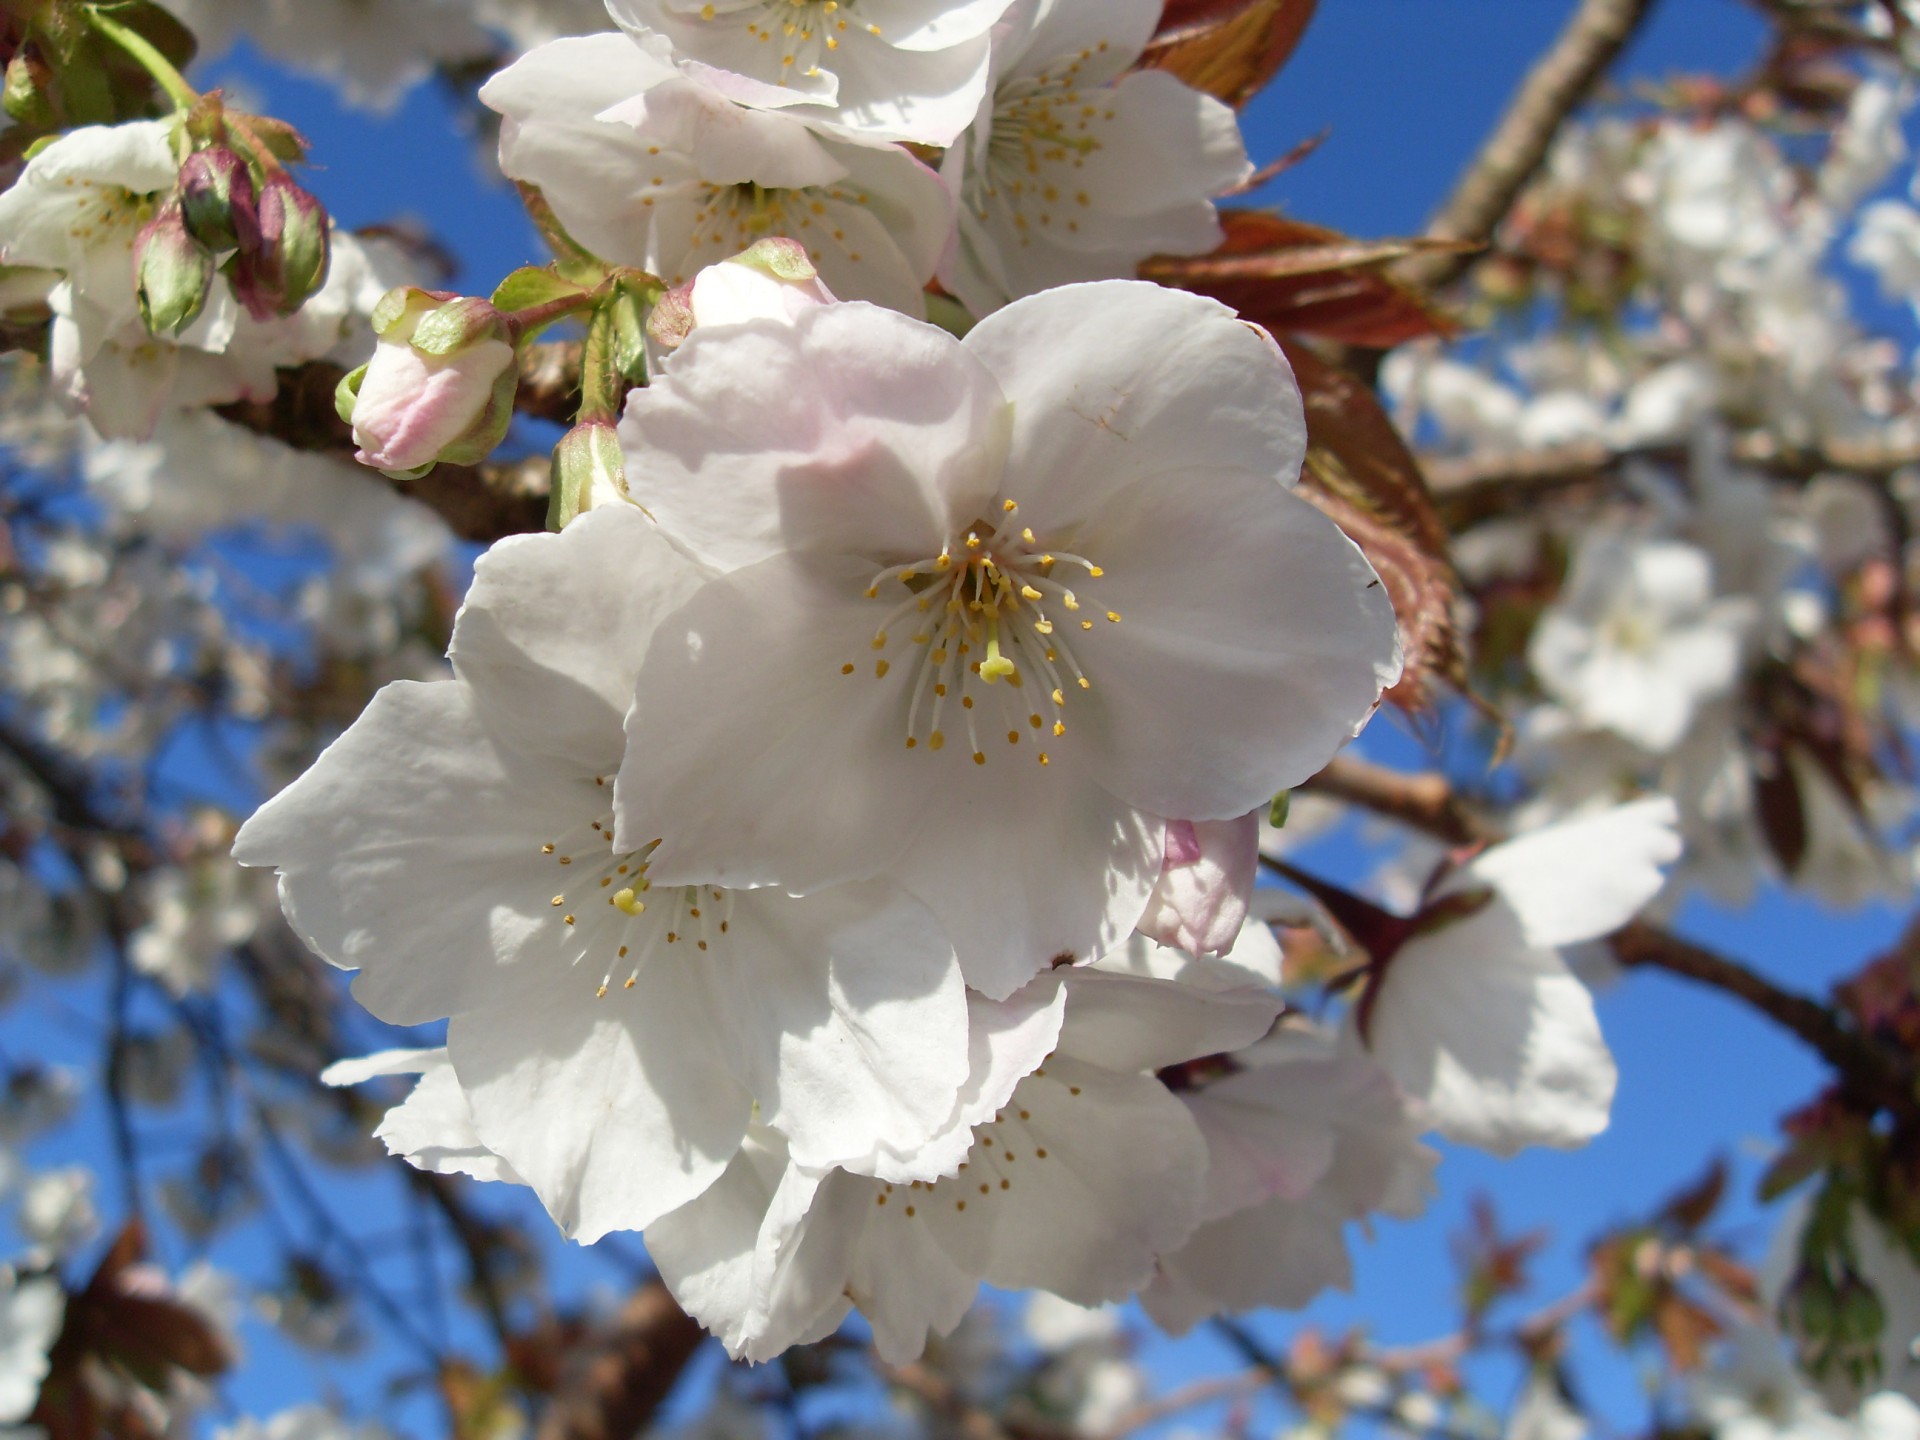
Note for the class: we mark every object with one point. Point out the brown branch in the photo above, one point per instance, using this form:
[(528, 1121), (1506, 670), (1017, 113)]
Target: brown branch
[(1561, 79), (1884, 1078), (614, 1389), (1427, 802)]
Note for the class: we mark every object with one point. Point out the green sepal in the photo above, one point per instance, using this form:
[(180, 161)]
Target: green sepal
[(347, 393), (1278, 810), (459, 325), (533, 285)]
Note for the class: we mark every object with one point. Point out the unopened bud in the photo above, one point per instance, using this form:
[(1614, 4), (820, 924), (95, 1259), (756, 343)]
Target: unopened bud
[(439, 387), (288, 261), (216, 195), (587, 472), (172, 272), (773, 280), (28, 94)]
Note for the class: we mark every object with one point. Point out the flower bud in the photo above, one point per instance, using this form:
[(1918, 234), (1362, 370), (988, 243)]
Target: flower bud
[(288, 260), (216, 194), (771, 280), (587, 472), (439, 387), (172, 272)]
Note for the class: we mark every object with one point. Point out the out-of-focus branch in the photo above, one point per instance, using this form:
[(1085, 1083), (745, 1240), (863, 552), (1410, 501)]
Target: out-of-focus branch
[(1883, 1077), (1561, 79), (1488, 480), (1425, 801), (614, 1387)]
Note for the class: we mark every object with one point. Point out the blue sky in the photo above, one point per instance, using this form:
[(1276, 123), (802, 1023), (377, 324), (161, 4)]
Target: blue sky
[(1406, 88)]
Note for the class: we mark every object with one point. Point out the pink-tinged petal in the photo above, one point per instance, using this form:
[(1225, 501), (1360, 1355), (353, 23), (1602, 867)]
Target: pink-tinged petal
[(554, 626), (853, 429), (1275, 665), (1119, 380), (1282, 1253), (410, 850), (612, 1110), (1199, 904)]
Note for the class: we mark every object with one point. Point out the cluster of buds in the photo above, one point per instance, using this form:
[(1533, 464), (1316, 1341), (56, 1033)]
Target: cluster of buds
[(271, 229)]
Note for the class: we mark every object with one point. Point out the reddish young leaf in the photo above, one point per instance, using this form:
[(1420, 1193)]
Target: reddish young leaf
[(1228, 48), (1305, 279), (1361, 473)]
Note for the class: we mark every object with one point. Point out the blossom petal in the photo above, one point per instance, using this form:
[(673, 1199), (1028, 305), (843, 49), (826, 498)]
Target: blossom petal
[(1584, 877), (605, 1108)]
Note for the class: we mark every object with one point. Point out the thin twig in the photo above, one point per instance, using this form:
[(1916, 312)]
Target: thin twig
[(1425, 801), (1561, 79), (619, 1384)]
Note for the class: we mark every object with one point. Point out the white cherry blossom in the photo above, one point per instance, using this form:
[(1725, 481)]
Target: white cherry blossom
[(1075, 1178), (889, 69), (1477, 1014), (30, 1314), (651, 167), (612, 1034), (1076, 169), (1637, 641), (988, 610)]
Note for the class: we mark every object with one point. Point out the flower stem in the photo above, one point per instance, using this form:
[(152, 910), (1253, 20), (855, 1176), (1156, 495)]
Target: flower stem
[(151, 60)]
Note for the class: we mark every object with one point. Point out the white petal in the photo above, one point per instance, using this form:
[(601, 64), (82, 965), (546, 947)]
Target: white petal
[(411, 850), (612, 1110), (1498, 1039), (1123, 1023), (1120, 379), (1584, 877), (553, 628)]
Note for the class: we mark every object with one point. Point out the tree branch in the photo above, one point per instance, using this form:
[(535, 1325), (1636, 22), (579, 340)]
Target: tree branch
[(617, 1386), (1427, 802), (1561, 79)]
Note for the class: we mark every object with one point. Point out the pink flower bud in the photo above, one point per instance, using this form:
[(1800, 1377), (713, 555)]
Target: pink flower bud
[(587, 472), (439, 387), (288, 261), (216, 195), (1200, 901)]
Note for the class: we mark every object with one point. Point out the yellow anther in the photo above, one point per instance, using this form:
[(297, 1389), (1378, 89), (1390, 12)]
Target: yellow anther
[(880, 640), (558, 901), (1034, 721), (1029, 592), (601, 993), (546, 849), (936, 740), (873, 592), (1059, 727), (1013, 737), (973, 541), (1114, 616), (911, 742), (943, 561), (1084, 683), (1044, 627), (940, 687), (880, 668), (979, 757), (628, 985), (1043, 758), (1095, 571), (627, 902), (847, 669), (1086, 624), (706, 12), (1009, 506), (1027, 535), (966, 701), (1059, 697)]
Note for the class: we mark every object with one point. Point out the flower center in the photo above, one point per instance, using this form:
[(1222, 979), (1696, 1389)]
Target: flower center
[(981, 634), (624, 920), (731, 218), (1044, 127), (799, 31)]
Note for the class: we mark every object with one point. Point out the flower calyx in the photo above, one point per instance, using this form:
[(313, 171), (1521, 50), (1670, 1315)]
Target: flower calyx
[(173, 272)]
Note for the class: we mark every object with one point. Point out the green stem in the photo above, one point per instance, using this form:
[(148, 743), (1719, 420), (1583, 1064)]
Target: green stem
[(151, 60), (535, 317), (601, 389)]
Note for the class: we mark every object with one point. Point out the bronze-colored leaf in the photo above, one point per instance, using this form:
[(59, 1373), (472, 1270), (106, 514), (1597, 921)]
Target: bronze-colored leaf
[(1361, 474), (1684, 1328), (1228, 48), (1690, 1208), (1304, 279)]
